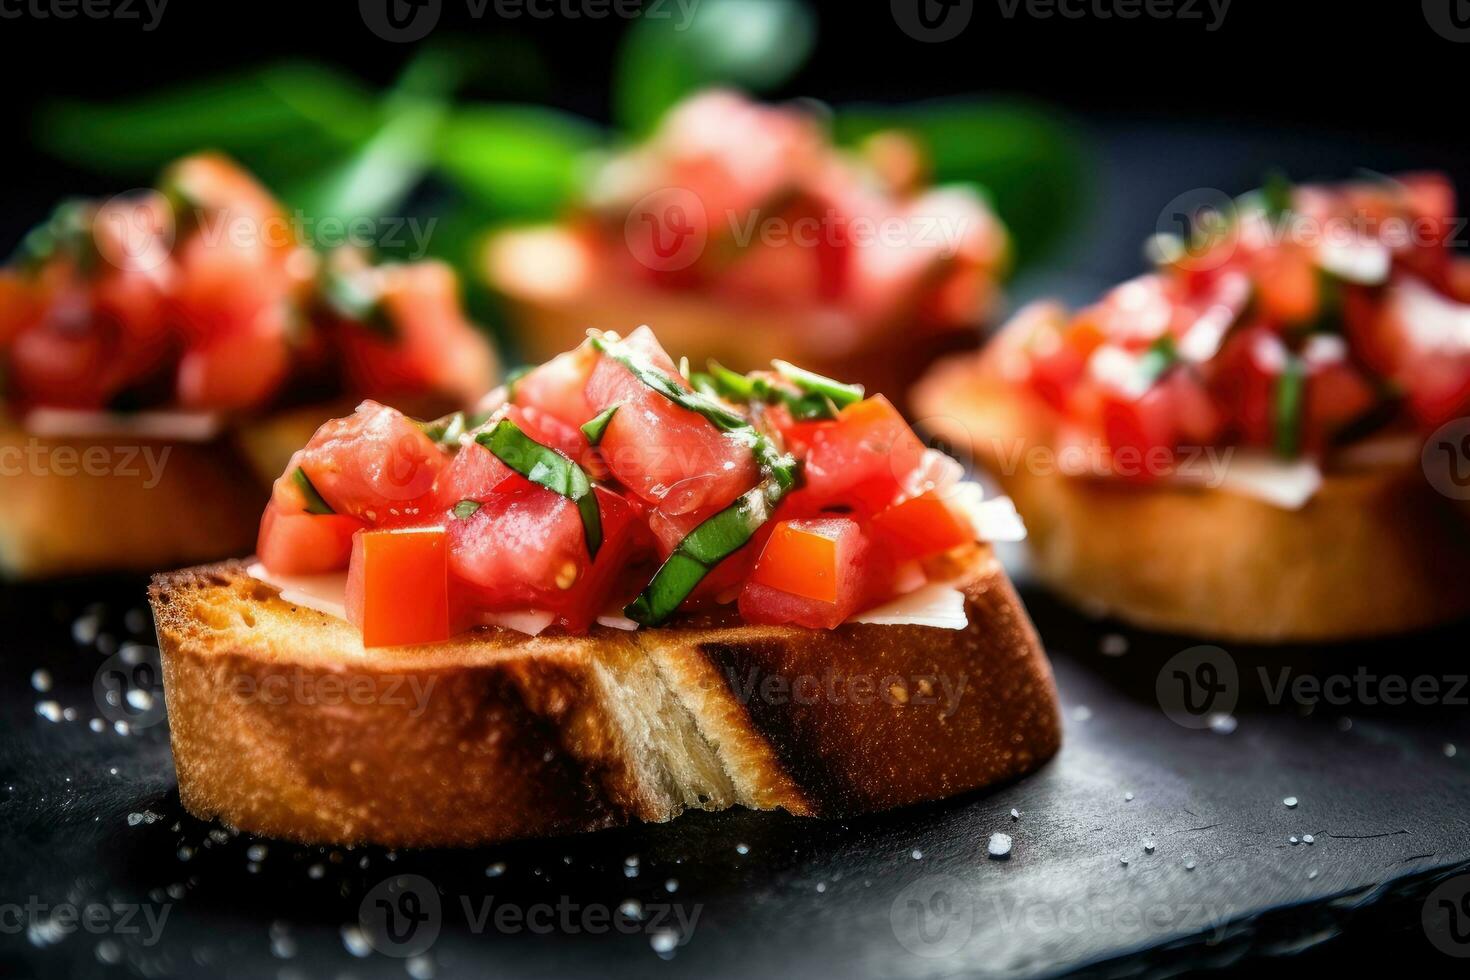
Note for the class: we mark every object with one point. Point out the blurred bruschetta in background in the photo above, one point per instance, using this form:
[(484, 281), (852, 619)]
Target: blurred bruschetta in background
[(746, 235), (164, 353), (1233, 445)]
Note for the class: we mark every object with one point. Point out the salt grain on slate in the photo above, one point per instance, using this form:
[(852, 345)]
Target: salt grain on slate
[(1000, 846)]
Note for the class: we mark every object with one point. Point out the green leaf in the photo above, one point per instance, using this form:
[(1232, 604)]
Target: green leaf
[(1287, 407), (466, 508), (750, 44), (840, 393), (315, 502), (548, 468), (1031, 163), (522, 162), (594, 429), (274, 118)]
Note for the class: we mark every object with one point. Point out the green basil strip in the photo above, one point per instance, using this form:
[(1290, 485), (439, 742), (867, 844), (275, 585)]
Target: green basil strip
[(447, 430), (731, 384), (466, 508), (841, 395), (349, 297), (1161, 355), (782, 466), (594, 429), (1287, 410), (701, 550), (704, 384), (548, 468), (315, 502)]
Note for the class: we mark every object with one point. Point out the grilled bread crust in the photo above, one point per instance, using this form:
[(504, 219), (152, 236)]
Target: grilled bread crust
[(283, 724), (1374, 552)]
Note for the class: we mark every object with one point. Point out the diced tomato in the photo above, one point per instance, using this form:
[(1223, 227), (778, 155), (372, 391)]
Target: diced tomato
[(663, 453), (1059, 358), (1141, 432), (238, 369), (559, 386), (1287, 288), (444, 349), (224, 284), (1244, 378), (1337, 393), (55, 363), (862, 459), (295, 543), (398, 586), (473, 474), (1198, 419), (376, 464), (811, 573), (528, 550), (920, 527), (1420, 340)]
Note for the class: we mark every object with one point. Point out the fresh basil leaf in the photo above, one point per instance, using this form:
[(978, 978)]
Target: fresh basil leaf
[(548, 468), (595, 428), (466, 508), (315, 502)]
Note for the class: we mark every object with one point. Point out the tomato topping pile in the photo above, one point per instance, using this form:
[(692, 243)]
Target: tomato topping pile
[(202, 295), (608, 483), (1307, 318), (752, 205)]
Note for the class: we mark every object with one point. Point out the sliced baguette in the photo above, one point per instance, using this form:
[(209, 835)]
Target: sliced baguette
[(85, 504), (496, 735), (138, 505), (1375, 551)]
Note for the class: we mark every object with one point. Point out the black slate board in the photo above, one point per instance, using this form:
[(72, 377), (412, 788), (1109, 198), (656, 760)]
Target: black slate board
[(905, 894)]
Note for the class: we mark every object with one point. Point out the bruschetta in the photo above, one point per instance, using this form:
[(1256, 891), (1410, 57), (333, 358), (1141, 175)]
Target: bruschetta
[(1231, 446), (746, 235), (617, 591), (162, 354)]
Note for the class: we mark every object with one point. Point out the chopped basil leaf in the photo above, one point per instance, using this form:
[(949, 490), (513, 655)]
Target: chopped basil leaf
[(731, 384), (548, 468), (315, 502), (701, 550), (704, 384), (67, 232), (351, 297), (594, 429), (840, 394), (447, 430), (1276, 193), (1286, 411), (1161, 355), (466, 508), (811, 407)]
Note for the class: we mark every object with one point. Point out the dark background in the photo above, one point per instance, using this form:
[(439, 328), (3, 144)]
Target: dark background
[(1374, 77)]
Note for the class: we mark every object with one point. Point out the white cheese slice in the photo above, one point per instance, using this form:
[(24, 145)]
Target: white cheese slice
[(938, 604), (323, 593), (532, 622), (1366, 263), (1280, 483), (67, 423)]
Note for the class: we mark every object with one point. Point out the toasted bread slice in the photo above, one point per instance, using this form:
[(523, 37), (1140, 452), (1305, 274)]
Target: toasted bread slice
[(284, 725), (1375, 551), (120, 503)]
